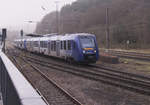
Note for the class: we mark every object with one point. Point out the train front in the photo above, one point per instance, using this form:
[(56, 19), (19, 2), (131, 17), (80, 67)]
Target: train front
[(89, 48)]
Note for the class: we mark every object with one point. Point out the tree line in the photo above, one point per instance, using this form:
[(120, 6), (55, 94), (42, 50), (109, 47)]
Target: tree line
[(129, 20)]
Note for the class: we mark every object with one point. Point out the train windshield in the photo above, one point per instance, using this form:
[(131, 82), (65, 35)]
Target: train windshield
[(87, 42)]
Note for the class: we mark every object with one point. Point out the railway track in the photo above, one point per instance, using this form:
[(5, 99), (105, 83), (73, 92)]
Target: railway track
[(132, 82), (57, 95), (133, 55)]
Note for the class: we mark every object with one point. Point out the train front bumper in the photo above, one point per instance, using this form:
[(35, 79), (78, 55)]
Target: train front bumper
[(90, 58)]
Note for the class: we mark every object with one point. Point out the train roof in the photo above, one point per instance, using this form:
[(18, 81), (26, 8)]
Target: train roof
[(73, 36), (49, 35), (82, 34), (44, 38), (19, 40), (58, 37)]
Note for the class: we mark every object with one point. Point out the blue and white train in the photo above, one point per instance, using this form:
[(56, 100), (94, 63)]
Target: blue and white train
[(79, 47)]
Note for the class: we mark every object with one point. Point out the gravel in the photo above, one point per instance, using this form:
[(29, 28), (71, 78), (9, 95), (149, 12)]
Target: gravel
[(90, 92)]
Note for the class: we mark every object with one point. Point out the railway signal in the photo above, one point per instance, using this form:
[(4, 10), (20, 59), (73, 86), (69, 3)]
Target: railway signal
[(4, 33), (21, 33)]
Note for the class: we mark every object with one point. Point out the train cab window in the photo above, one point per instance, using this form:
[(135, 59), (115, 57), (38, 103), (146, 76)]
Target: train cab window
[(64, 45), (87, 42), (69, 44)]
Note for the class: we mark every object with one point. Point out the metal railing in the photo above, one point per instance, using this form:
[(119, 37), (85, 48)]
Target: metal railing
[(15, 89)]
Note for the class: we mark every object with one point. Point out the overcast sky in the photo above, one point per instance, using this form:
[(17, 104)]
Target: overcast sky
[(15, 13)]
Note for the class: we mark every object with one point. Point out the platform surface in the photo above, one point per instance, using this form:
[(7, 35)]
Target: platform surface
[(1, 103)]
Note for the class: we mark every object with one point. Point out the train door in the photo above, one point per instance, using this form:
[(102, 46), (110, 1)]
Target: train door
[(38, 44), (71, 45), (31, 45), (58, 48), (69, 48), (25, 44)]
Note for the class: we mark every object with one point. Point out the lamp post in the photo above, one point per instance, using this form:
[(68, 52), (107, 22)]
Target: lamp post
[(107, 29), (57, 17)]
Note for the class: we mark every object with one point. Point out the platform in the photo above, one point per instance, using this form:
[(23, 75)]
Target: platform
[(15, 89), (1, 102)]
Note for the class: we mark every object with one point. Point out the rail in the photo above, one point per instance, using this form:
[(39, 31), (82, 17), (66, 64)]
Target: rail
[(15, 89)]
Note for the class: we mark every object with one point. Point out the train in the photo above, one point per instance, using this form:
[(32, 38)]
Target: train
[(78, 47)]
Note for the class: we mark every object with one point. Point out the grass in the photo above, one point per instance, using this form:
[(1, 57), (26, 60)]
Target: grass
[(136, 64), (136, 50)]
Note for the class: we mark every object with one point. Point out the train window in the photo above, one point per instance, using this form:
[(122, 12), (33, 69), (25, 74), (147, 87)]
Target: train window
[(54, 45), (61, 45), (45, 44), (30, 44), (41, 44), (64, 45), (35, 43), (69, 44), (49, 43), (20, 44), (87, 42)]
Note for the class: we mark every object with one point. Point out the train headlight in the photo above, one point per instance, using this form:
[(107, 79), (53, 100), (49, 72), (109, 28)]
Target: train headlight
[(83, 51), (95, 51)]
